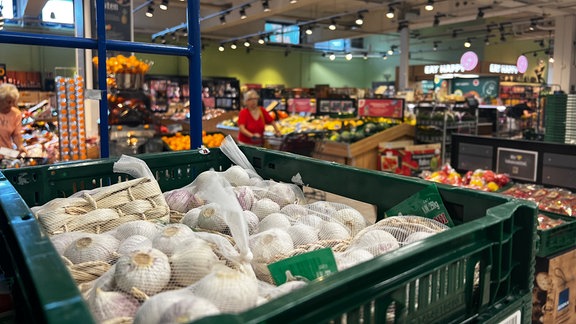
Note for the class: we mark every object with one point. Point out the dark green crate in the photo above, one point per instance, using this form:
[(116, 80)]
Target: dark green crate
[(429, 281), (556, 239)]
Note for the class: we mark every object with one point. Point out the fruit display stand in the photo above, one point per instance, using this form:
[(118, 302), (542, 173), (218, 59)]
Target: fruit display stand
[(363, 153), (480, 270)]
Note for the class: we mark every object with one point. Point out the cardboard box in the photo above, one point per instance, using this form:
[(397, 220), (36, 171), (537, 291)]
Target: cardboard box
[(554, 293), (410, 160), (390, 154)]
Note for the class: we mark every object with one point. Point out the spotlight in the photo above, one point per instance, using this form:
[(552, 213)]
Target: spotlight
[(247, 43), (163, 40), (390, 13), (332, 25), (551, 59), (365, 56), (223, 20), (243, 13), (150, 11), (359, 20), (265, 5), (429, 6), (261, 40), (467, 43), (390, 51), (532, 26), (308, 30), (293, 1), (164, 5), (384, 57), (233, 46), (332, 57), (221, 48), (348, 56)]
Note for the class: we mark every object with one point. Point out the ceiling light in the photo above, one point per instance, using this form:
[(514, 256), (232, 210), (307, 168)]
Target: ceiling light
[(390, 13), (293, 1), (164, 5), (429, 6), (308, 31), (221, 48), (467, 43), (332, 57), (150, 11), (243, 13), (384, 57), (390, 52), (551, 59), (365, 56), (233, 46), (532, 26), (265, 5), (332, 25), (247, 43), (348, 56), (261, 41), (359, 20), (223, 20)]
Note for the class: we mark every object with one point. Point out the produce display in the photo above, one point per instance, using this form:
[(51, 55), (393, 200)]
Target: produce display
[(546, 222), (556, 200), (180, 142), (144, 256), (485, 180)]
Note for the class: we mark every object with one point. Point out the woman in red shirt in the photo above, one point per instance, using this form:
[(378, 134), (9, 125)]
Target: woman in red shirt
[(252, 120)]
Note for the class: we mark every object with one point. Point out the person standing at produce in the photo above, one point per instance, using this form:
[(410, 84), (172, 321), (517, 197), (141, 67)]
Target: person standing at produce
[(252, 120), (519, 115), (10, 118)]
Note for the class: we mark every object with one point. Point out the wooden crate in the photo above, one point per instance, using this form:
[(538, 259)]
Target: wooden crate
[(364, 153)]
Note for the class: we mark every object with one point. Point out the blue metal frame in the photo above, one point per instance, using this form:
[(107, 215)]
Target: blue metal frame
[(192, 52)]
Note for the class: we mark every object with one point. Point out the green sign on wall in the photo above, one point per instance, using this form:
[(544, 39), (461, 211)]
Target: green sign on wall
[(485, 88)]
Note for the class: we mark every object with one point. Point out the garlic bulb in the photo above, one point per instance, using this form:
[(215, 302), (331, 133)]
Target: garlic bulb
[(63, 240), (137, 227), (351, 218), (252, 221), (171, 237), (294, 211), (310, 220), (230, 290), (265, 246), (190, 219), (211, 218), (245, 197), (281, 193), (376, 242), (92, 247), (191, 261), (147, 270), (274, 220), (332, 231), (321, 208), (417, 236), (133, 243), (262, 272), (285, 288), (182, 200), (302, 234), (265, 207), (107, 305), (237, 176), (351, 258), (188, 310), (154, 307), (204, 178)]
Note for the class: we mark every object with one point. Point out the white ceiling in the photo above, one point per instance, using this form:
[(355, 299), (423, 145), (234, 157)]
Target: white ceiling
[(513, 16)]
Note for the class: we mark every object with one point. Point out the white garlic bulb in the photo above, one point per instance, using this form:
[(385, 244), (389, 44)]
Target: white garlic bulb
[(147, 270), (274, 220), (252, 220), (182, 199), (137, 227), (265, 207), (417, 236), (245, 197), (281, 193), (351, 218), (265, 246), (63, 240), (133, 243), (204, 179), (237, 176), (172, 236), (154, 307), (310, 220), (351, 258), (284, 288), (332, 231), (211, 218), (376, 242), (191, 261), (302, 234), (92, 247), (190, 219), (107, 305), (188, 310), (230, 290), (321, 208), (294, 211)]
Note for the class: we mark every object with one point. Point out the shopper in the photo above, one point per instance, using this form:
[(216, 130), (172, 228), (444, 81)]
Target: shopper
[(10, 118), (252, 120), (519, 114)]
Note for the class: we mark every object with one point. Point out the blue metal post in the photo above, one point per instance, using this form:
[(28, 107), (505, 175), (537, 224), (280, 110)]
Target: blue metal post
[(101, 34), (195, 73)]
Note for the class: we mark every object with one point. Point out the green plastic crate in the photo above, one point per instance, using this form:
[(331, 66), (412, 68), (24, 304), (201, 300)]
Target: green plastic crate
[(556, 239), (429, 281)]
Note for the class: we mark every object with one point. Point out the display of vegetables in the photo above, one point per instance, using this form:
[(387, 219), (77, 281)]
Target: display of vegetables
[(556, 200), (179, 141), (485, 180)]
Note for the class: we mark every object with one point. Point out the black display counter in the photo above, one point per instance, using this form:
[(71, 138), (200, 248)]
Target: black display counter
[(545, 163)]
